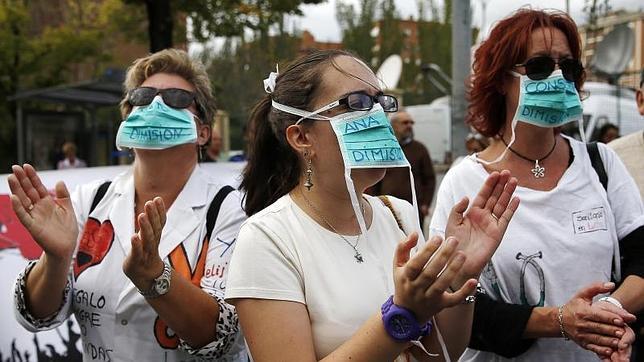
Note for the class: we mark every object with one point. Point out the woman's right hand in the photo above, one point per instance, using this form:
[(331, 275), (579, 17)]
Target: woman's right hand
[(50, 221), (421, 287), (596, 329)]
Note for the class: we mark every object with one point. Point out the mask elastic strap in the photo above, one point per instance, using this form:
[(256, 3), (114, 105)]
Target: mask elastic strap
[(415, 201), (355, 202), (304, 114), (512, 139), (582, 133)]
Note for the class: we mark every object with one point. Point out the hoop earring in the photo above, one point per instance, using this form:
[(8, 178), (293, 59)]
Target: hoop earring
[(309, 173)]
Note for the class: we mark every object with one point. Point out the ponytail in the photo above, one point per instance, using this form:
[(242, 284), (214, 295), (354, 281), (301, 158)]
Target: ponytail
[(273, 167)]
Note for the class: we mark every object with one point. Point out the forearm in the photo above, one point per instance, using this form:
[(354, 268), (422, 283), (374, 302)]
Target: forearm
[(370, 343), (45, 285), (455, 325), (631, 294), (189, 311), (543, 323)]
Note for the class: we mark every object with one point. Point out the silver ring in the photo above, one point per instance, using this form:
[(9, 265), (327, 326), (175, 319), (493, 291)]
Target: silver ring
[(31, 207), (495, 217)]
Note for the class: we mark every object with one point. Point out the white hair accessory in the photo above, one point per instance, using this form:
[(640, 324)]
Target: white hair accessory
[(269, 83)]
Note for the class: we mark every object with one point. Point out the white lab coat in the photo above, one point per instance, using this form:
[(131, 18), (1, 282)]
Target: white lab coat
[(116, 322)]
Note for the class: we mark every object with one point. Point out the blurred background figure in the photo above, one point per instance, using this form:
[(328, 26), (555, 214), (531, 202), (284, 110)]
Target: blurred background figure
[(607, 133), (396, 180), (70, 160), (214, 148), (474, 143)]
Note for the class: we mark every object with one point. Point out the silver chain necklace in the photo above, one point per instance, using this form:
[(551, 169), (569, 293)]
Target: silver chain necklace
[(317, 212)]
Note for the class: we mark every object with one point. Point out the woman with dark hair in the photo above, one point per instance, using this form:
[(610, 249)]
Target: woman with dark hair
[(313, 264), (570, 232)]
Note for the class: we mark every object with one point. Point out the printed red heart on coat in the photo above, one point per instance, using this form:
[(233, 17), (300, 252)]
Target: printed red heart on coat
[(94, 245)]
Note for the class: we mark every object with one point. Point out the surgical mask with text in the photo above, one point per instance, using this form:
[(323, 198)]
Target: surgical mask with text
[(156, 126), (550, 102), (366, 140)]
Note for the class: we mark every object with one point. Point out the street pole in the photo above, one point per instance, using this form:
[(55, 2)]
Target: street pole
[(461, 43)]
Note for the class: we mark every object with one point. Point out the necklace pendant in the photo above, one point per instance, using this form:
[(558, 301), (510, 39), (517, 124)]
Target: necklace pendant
[(358, 257), (538, 171)]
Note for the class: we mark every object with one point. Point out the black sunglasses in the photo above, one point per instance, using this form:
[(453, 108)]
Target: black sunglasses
[(361, 101), (173, 97), (541, 67)]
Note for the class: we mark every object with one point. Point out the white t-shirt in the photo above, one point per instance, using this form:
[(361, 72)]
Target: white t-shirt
[(557, 242), (630, 150), (283, 254)]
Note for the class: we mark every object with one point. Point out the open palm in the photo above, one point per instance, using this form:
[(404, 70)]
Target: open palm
[(480, 228), (50, 221)]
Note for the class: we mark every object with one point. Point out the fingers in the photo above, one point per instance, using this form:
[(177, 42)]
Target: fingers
[(62, 195), (437, 263), (445, 278), (24, 217), (506, 216), (469, 288), (417, 263), (456, 214), (486, 190), (609, 307), (497, 191), (602, 351), (16, 189), (161, 210), (401, 255), (25, 184), (599, 340), (35, 181), (503, 201), (151, 211), (590, 291), (146, 234)]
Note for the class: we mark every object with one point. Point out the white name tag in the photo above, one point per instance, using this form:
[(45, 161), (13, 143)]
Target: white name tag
[(590, 220)]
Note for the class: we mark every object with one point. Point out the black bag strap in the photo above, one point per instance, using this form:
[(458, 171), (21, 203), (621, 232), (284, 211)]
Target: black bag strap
[(215, 205), (598, 164), (99, 195)]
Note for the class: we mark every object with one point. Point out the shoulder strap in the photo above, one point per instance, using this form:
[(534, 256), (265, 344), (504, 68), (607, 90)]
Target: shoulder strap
[(215, 205), (385, 200), (99, 195), (598, 164)]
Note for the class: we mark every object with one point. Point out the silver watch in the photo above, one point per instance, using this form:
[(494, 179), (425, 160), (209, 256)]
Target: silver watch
[(161, 284)]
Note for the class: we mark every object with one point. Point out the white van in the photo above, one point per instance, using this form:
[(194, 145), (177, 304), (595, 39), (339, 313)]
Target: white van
[(433, 127)]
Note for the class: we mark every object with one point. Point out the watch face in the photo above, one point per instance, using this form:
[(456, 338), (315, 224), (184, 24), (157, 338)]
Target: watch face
[(400, 325), (162, 286)]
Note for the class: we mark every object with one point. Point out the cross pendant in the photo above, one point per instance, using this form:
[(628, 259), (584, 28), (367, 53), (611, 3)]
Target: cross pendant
[(538, 171), (358, 257)]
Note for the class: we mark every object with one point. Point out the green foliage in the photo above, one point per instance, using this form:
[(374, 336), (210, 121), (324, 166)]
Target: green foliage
[(356, 27), (390, 33)]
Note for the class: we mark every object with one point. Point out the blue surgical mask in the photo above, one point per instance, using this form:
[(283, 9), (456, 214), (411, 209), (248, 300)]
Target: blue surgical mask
[(156, 126), (550, 102)]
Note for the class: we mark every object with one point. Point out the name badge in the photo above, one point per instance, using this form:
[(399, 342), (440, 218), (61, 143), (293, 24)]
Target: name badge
[(587, 221)]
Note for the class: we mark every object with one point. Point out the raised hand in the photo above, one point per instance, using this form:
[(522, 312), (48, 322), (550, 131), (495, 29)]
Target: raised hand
[(594, 327), (481, 228), (143, 264), (50, 220), (421, 286)]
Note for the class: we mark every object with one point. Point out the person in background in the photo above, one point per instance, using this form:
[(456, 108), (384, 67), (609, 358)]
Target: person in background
[(396, 179), (608, 133), (70, 160), (474, 143), (214, 147), (630, 150), (243, 156)]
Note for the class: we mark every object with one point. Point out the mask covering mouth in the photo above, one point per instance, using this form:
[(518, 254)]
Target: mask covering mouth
[(549, 103), (156, 126), (366, 140)]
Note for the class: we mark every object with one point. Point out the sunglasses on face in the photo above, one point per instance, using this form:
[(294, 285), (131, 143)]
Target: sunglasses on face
[(541, 67), (173, 97)]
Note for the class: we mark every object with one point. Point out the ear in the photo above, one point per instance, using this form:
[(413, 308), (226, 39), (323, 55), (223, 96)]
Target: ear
[(639, 97), (299, 139), (203, 133)]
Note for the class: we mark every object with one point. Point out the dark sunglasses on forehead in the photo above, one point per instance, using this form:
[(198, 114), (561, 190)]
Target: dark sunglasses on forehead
[(173, 97), (541, 67), (361, 101)]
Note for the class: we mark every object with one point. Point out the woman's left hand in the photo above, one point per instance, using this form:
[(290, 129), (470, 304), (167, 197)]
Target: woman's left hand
[(144, 264), (624, 350), (481, 228)]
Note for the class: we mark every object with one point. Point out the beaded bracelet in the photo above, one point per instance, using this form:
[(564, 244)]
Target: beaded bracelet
[(561, 324)]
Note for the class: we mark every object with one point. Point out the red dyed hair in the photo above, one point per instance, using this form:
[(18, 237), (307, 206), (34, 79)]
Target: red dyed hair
[(506, 46)]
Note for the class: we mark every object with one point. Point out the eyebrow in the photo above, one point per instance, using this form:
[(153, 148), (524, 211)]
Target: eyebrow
[(363, 91)]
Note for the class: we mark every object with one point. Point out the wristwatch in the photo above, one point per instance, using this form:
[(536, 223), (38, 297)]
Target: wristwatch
[(160, 285), (401, 324)]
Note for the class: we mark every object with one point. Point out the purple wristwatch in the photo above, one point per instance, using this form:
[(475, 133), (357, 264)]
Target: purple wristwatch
[(401, 324)]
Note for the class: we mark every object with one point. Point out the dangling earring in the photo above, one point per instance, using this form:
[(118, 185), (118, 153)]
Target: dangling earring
[(200, 148), (309, 172)]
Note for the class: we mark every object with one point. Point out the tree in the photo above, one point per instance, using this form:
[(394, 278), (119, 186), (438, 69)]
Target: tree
[(390, 34), (357, 27)]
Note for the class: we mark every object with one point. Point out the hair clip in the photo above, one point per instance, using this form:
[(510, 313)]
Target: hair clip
[(269, 83)]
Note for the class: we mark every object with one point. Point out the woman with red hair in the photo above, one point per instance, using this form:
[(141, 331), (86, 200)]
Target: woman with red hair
[(549, 291)]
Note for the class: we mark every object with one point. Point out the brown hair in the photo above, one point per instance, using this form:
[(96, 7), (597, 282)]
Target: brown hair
[(506, 46), (273, 167), (172, 61)]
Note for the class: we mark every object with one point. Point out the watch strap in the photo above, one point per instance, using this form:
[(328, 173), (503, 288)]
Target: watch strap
[(165, 276)]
